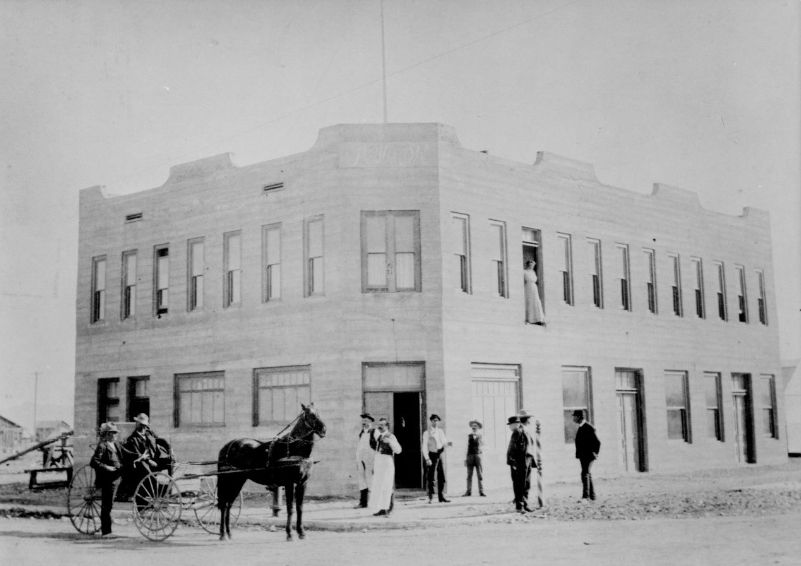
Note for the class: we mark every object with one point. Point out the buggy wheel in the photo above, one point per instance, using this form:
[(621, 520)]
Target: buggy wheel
[(205, 506), (83, 501), (157, 506)]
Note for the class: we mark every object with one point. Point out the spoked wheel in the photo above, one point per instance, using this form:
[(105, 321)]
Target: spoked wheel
[(83, 501), (157, 506), (206, 510)]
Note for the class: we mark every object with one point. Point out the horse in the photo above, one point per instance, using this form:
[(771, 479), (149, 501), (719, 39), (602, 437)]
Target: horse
[(282, 461)]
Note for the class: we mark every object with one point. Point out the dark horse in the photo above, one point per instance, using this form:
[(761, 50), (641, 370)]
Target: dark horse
[(282, 461)]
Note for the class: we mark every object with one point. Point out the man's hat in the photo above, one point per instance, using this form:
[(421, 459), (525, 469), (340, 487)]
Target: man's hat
[(523, 415), (514, 419), (368, 416), (142, 418), (578, 413), (477, 423), (108, 427), (434, 417)]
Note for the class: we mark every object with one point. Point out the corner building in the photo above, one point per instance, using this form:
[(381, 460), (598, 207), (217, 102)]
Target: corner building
[(382, 270)]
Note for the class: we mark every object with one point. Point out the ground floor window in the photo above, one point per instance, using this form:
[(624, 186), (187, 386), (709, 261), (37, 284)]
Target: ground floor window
[(575, 397), (279, 392), (677, 402), (108, 400), (200, 399), (138, 397)]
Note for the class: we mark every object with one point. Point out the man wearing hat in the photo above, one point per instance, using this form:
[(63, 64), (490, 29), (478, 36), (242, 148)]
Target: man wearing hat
[(365, 457), (519, 461), (141, 452), (531, 447), (107, 463), (475, 442), (587, 448), (433, 445)]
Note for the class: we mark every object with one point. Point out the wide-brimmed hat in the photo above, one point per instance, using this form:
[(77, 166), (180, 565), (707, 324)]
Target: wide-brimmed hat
[(434, 417), (477, 423), (368, 416), (523, 415), (142, 418), (108, 427), (514, 419)]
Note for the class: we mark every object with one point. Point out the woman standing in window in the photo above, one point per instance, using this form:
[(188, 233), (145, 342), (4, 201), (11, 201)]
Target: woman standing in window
[(534, 311)]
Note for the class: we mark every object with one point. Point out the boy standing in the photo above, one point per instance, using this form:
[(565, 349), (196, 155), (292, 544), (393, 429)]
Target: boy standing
[(473, 460)]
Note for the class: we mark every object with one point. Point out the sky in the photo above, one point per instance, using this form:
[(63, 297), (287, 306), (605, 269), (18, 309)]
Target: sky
[(700, 94)]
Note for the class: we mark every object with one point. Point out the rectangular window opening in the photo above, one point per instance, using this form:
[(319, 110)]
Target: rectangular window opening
[(200, 399), (678, 306), (279, 392), (498, 258), (460, 246), (390, 246), (576, 396), (271, 261), (650, 283), (232, 266), (98, 302), (596, 272), (566, 267), (128, 309), (195, 270), (624, 280), (678, 405), (700, 299)]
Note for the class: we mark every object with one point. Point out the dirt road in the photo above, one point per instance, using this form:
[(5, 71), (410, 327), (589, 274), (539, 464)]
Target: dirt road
[(729, 541)]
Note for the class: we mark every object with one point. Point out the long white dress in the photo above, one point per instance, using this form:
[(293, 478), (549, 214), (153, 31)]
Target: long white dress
[(534, 310), (384, 472)]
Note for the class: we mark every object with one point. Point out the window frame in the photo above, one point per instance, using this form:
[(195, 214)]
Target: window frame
[(390, 251), (97, 298), (195, 282), (131, 394), (699, 292), (596, 276), (723, 307), (232, 270), (773, 424), (570, 434), (309, 288), (501, 260), (566, 270), (676, 288), (268, 293), (104, 401), (465, 259), (159, 292), (128, 288), (178, 418), (277, 370), (625, 277), (762, 301), (651, 293), (717, 409), (684, 411), (743, 314)]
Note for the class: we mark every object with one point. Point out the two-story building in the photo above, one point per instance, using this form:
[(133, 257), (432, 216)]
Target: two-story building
[(382, 270)]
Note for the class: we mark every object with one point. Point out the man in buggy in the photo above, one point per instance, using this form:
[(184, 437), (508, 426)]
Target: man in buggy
[(145, 453)]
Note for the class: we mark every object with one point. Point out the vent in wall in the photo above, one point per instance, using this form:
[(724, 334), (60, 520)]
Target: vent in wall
[(272, 188), (133, 217)]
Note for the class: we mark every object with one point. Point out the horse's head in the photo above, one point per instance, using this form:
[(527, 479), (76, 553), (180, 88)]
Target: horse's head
[(311, 418)]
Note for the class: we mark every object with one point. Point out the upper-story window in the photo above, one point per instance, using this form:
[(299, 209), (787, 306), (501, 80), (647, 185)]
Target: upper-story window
[(566, 267), (232, 264), (196, 269), (128, 284), (498, 257), (700, 302), (762, 305), (650, 283), (314, 264), (98, 309), (460, 244), (678, 306), (720, 290), (161, 278), (390, 250), (624, 276), (596, 277), (742, 296), (271, 260)]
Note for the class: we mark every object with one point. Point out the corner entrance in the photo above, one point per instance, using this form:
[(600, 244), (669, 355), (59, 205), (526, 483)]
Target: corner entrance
[(396, 391)]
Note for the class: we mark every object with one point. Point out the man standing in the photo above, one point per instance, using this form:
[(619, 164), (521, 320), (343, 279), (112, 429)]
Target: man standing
[(519, 462), (433, 446), (587, 448), (473, 459), (531, 448), (384, 469), (365, 456), (142, 452), (107, 463)]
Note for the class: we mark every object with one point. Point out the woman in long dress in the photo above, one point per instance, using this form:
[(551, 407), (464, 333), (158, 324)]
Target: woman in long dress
[(383, 470), (534, 311)]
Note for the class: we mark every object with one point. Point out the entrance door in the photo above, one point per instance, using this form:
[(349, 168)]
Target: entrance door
[(631, 452), (403, 411), (743, 418)]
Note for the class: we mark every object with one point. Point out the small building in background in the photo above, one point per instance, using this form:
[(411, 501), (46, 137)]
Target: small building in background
[(50, 429), (791, 370), (11, 435)]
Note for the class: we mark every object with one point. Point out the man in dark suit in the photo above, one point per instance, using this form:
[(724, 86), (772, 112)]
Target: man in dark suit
[(587, 448), (107, 463), (519, 461)]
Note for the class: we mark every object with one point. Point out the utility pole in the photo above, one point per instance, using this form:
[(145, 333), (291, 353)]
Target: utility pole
[(383, 63), (35, 398)]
